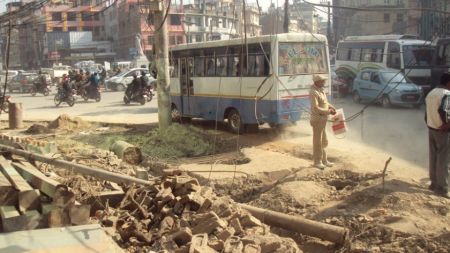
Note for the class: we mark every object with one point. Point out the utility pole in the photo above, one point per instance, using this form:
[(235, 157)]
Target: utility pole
[(162, 63), (286, 17)]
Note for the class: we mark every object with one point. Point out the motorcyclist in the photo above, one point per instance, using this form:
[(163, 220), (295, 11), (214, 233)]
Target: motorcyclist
[(65, 83), (144, 79), (42, 81), (133, 86)]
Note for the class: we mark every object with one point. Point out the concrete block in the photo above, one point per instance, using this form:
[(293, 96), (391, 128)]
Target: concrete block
[(58, 218), (199, 244), (141, 173), (226, 233), (79, 214), (166, 225), (12, 220), (8, 194), (250, 221), (217, 245), (233, 245), (182, 236), (236, 224), (251, 248)]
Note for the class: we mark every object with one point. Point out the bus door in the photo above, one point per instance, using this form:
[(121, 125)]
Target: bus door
[(187, 86)]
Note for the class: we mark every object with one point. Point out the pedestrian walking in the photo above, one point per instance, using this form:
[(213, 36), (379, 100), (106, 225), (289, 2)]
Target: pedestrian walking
[(438, 121), (320, 109)]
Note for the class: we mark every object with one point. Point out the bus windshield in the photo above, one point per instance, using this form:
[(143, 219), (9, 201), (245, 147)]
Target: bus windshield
[(296, 58), (417, 55)]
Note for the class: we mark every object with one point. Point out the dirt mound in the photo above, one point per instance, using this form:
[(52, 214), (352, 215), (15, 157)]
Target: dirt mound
[(66, 122), (38, 129), (177, 141)]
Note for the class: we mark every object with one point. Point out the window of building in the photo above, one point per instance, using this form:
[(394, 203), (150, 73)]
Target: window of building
[(206, 21), (86, 16), (87, 28), (179, 40), (387, 17), (57, 29), (56, 16), (175, 20), (399, 17), (86, 2), (96, 16), (71, 16), (172, 40), (198, 38), (224, 23), (199, 66), (72, 28), (151, 40)]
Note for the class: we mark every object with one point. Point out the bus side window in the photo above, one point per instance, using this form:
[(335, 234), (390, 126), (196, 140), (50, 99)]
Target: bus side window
[(199, 67), (235, 66), (221, 63), (444, 55), (210, 66), (393, 60), (343, 54), (174, 72), (355, 54)]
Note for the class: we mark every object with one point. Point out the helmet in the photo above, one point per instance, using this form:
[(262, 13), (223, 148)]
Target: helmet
[(143, 73), (87, 72), (134, 74)]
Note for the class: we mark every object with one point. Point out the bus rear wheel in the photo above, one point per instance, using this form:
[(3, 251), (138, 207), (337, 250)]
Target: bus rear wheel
[(234, 122)]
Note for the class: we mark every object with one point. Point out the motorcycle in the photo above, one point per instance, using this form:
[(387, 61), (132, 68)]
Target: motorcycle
[(87, 93), (5, 100), (61, 96), (44, 90), (140, 96), (149, 90)]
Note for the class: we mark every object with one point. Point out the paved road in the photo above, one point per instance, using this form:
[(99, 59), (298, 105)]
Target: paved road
[(110, 109), (398, 131)]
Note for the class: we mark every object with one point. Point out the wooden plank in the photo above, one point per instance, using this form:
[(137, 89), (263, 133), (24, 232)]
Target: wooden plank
[(12, 220), (36, 178), (8, 194), (28, 197)]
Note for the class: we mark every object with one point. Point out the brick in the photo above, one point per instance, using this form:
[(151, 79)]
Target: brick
[(79, 214), (163, 193), (181, 181), (233, 245), (166, 225), (141, 173), (217, 245), (182, 236), (199, 244), (252, 248), (236, 224), (196, 201), (250, 221), (184, 249), (225, 234), (205, 206), (207, 223)]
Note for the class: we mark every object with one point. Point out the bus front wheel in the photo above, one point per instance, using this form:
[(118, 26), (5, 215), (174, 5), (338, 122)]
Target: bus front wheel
[(234, 122)]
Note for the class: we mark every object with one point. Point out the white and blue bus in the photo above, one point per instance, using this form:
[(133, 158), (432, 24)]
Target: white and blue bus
[(405, 53), (267, 80)]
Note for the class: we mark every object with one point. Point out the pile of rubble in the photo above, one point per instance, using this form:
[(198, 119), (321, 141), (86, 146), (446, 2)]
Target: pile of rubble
[(176, 214)]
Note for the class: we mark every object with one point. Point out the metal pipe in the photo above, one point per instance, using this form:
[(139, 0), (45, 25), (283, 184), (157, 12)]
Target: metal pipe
[(301, 225), (98, 173)]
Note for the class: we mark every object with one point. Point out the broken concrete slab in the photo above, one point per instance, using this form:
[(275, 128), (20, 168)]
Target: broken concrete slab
[(79, 214), (75, 239), (199, 244)]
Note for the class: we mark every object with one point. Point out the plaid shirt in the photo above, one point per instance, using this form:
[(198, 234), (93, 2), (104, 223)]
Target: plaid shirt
[(319, 104)]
